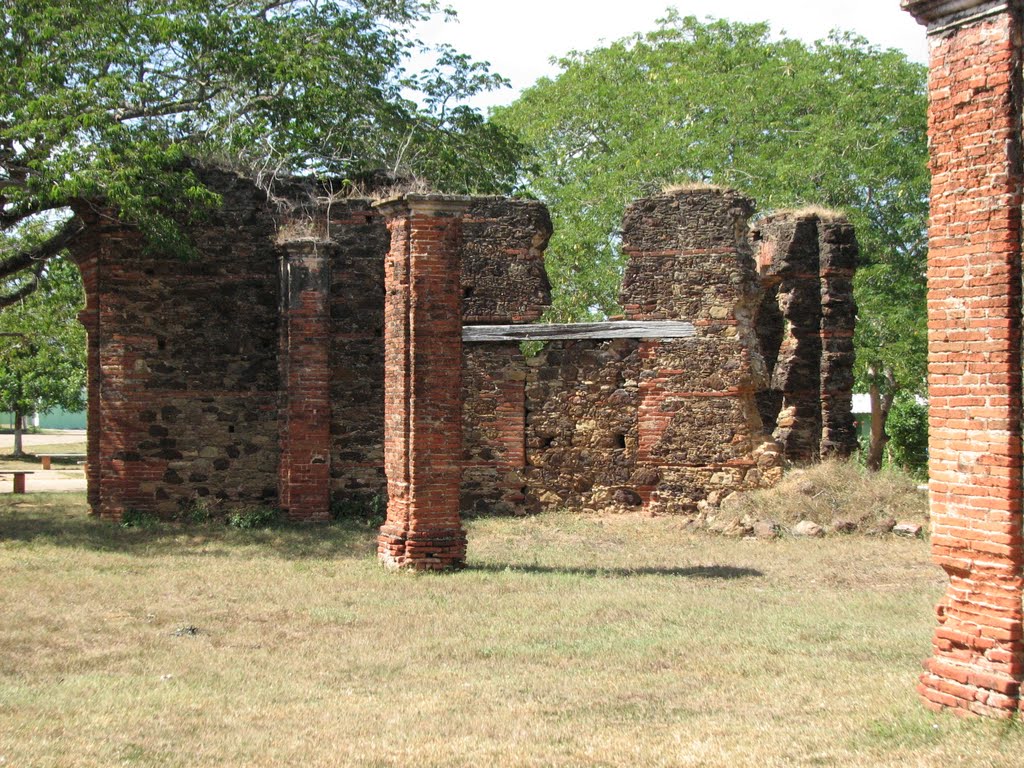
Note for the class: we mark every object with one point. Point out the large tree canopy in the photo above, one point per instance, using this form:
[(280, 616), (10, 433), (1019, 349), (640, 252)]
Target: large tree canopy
[(839, 124), (105, 100)]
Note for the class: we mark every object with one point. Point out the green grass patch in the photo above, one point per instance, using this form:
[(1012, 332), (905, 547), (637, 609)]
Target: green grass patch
[(567, 641)]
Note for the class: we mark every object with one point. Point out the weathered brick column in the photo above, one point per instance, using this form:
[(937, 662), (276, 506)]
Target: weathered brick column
[(422, 390), (789, 265), (974, 368), (87, 258), (304, 470), (837, 262)]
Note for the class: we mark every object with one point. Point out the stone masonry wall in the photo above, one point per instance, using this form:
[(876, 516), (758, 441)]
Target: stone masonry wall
[(805, 329), (699, 431), (184, 380), (974, 353), (359, 239), (671, 426), (256, 373)]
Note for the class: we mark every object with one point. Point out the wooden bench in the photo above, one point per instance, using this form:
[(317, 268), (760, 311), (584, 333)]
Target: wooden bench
[(19, 477), (47, 458)]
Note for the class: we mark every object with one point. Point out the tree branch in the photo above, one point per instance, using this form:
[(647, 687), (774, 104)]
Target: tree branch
[(25, 290), (40, 254)]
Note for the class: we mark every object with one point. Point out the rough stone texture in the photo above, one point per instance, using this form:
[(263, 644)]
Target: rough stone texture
[(423, 388), (805, 330), (790, 332), (698, 427), (182, 405), (257, 373), (502, 254), (359, 239), (494, 429), (838, 251), (625, 424), (974, 360)]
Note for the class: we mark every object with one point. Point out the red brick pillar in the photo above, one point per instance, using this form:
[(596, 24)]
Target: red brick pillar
[(422, 384), (304, 471), (974, 369), (86, 256)]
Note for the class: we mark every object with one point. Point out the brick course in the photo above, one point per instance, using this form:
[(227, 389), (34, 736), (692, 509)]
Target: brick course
[(974, 361), (423, 388)]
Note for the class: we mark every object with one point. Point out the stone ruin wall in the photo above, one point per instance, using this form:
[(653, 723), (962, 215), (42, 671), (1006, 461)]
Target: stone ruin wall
[(182, 357), (210, 378), (805, 332)]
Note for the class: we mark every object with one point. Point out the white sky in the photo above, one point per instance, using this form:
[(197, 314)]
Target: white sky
[(518, 37)]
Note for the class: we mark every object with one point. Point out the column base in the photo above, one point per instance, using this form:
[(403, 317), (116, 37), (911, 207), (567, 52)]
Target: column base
[(422, 551), (953, 691)]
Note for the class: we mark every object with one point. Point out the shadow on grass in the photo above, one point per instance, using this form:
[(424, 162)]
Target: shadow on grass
[(725, 572), (76, 530)]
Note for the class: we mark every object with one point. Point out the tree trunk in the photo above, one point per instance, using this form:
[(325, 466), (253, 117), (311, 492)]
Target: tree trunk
[(19, 426), (881, 404)]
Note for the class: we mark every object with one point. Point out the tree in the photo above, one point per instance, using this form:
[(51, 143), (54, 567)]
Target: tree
[(838, 123), (42, 348), (104, 101)]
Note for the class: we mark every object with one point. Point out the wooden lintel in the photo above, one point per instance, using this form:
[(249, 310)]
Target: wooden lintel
[(622, 329)]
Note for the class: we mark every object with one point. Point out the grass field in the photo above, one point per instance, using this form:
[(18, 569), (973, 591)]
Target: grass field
[(569, 641)]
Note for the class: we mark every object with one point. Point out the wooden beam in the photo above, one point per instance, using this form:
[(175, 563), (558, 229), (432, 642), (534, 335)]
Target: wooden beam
[(622, 329)]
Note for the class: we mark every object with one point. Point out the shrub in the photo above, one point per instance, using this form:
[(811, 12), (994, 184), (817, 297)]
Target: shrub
[(250, 518), (370, 509), (196, 511), (137, 518), (907, 427)]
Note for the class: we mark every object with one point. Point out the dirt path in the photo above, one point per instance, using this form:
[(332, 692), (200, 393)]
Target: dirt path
[(63, 477), (55, 437)]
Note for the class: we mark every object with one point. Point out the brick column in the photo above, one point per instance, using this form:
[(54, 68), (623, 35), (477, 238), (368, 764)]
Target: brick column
[(974, 364), (86, 256), (788, 259), (422, 390), (837, 260), (304, 470)]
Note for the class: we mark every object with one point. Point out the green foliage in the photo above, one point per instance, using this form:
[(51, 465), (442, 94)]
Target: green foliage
[(370, 509), (907, 427), (196, 511), (105, 101), (136, 518), (254, 517), (838, 123), (43, 367)]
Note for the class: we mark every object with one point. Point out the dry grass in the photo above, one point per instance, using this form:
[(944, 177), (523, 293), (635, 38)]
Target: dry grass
[(691, 186), (808, 211), (35, 450), (835, 491), (568, 642)]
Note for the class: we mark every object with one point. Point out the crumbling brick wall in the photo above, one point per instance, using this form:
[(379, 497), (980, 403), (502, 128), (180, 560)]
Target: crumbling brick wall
[(667, 424), (503, 281), (183, 369), (255, 374), (805, 330)]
